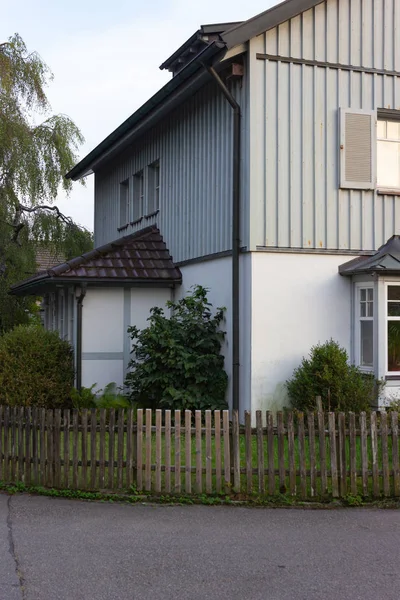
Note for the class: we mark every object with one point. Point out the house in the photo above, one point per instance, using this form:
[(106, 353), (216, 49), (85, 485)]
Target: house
[(267, 169)]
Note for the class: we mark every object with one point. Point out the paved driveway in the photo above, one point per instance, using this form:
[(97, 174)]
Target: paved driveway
[(69, 550)]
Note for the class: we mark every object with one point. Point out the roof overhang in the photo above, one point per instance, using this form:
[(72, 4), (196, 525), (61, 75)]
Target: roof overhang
[(384, 262), (266, 20), (191, 78)]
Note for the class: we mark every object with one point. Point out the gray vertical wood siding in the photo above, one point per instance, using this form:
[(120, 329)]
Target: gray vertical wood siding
[(294, 147), (194, 147)]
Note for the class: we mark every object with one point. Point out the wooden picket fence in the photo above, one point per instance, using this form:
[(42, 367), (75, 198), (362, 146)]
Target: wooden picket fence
[(306, 456)]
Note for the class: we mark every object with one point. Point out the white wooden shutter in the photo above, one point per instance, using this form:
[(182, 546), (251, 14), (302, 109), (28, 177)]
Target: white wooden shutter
[(357, 149)]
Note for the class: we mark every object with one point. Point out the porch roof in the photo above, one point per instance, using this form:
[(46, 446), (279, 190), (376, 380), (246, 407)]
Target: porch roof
[(139, 258), (385, 261)]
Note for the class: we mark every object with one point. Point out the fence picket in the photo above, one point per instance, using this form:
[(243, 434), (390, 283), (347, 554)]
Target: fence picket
[(291, 455), (177, 440), (260, 452), (120, 448), (281, 452), (208, 453), (374, 452), (139, 453), (302, 456), (271, 453), (111, 447), (364, 455), (6, 443), (35, 446), (353, 454), (13, 442), (21, 417), (42, 434), (227, 453), (188, 452), (333, 454), (199, 463), (322, 452), (311, 449), (342, 455), (129, 447), (395, 453), (217, 427), (385, 454), (149, 418), (236, 451), (66, 447), (93, 447), (50, 458), (102, 456), (248, 450), (28, 423), (167, 455), (57, 447), (84, 435), (157, 486)]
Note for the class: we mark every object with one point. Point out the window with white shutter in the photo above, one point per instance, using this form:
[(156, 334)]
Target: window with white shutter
[(357, 149)]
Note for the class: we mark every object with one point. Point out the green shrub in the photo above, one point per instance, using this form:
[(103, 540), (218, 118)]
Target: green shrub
[(36, 368), (177, 361), (327, 373), (89, 398)]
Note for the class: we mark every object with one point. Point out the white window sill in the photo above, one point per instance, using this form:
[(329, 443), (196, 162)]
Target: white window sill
[(388, 191)]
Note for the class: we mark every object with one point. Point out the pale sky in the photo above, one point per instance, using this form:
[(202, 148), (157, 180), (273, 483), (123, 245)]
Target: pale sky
[(105, 58)]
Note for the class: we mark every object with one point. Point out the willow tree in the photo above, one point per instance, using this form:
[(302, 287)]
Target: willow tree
[(37, 148)]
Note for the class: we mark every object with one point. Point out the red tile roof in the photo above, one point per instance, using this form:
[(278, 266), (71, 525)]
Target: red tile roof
[(139, 257)]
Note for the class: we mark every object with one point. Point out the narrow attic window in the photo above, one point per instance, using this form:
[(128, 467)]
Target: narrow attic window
[(138, 195), (154, 188), (124, 202)]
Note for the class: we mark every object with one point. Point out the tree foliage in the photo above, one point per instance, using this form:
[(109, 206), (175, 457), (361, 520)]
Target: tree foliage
[(327, 373), (36, 150), (177, 361)]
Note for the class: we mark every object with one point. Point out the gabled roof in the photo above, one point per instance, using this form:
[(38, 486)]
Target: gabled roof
[(267, 20), (187, 80), (141, 257), (386, 261)]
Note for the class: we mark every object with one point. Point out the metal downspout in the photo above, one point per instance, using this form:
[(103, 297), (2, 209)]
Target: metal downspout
[(235, 236), (79, 306)]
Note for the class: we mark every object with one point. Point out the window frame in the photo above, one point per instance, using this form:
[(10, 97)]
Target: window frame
[(385, 115), (386, 336), (363, 285), (138, 195), (124, 199)]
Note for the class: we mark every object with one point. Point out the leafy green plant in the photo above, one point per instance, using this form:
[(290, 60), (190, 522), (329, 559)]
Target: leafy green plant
[(327, 373), (83, 398), (112, 398), (36, 368), (177, 361)]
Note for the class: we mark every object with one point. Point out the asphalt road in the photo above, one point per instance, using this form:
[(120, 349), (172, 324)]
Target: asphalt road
[(69, 550)]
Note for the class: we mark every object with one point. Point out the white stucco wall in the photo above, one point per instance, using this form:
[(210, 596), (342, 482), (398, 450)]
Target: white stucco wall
[(216, 275), (298, 300), (107, 314)]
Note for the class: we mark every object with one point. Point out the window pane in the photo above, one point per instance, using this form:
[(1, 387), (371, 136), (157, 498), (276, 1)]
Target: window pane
[(370, 292), (388, 164), (394, 292), (370, 311), (393, 346), (363, 295), (393, 130), (381, 129), (363, 309), (394, 309), (367, 346)]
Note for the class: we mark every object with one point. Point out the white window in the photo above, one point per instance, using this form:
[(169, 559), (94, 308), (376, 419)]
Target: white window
[(388, 154), (365, 328), (138, 195), (393, 328), (124, 202)]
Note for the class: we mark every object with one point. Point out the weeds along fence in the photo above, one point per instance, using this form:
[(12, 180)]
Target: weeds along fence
[(163, 452)]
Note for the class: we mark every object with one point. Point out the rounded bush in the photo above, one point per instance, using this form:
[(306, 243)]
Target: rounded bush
[(36, 368), (327, 373)]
